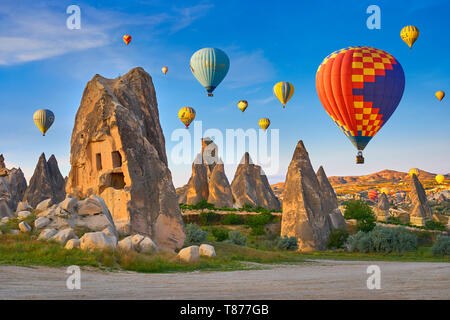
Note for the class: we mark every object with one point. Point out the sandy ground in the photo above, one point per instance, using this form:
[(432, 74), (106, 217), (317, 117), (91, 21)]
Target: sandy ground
[(312, 280)]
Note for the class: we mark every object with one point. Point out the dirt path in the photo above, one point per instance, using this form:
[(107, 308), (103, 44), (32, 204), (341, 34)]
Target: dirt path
[(313, 280)]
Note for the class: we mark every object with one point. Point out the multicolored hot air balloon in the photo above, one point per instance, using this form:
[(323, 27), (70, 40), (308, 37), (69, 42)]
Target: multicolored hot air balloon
[(409, 35), (413, 171), (242, 105), (373, 195), (127, 39), (43, 119), (186, 115), (264, 123), (283, 91), (440, 95), (164, 69), (360, 88), (401, 195), (210, 66), (440, 178)]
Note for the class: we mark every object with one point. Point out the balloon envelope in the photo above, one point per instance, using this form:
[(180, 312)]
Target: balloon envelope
[(360, 88), (127, 39), (264, 123), (409, 35), (242, 105), (164, 69), (186, 115), (209, 66), (283, 91), (440, 178), (413, 171), (43, 119), (440, 95), (373, 195)]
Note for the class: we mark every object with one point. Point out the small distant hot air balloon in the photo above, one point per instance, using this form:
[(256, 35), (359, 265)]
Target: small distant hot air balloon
[(401, 195), (385, 191), (127, 39), (373, 195), (409, 35), (164, 69), (209, 66), (283, 91), (242, 105), (186, 115), (264, 123), (440, 178), (440, 95), (414, 171), (43, 119)]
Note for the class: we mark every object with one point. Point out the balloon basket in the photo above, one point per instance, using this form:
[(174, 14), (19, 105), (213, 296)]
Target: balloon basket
[(359, 158)]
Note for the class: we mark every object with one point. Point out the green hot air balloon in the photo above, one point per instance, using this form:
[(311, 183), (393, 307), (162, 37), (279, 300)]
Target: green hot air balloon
[(43, 119), (210, 66)]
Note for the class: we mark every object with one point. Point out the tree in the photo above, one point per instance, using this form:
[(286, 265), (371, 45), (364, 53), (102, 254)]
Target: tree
[(362, 213)]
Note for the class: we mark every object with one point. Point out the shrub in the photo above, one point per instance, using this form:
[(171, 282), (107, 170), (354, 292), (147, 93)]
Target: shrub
[(232, 218), (442, 246), (220, 234), (194, 234), (393, 220), (247, 207), (209, 217), (362, 212), (203, 205), (257, 222), (434, 225), (237, 238), (287, 243), (337, 239)]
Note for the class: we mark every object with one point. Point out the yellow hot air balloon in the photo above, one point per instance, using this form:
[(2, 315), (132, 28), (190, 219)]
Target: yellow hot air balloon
[(127, 39), (440, 178), (385, 191), (242, 105), (264, 123), (413, 171), (164, 69), (186, 115), (440, 95), (409, 35), (283, 91), (43, 119)]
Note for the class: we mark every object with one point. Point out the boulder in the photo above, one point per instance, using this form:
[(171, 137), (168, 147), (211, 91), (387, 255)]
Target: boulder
[(382, 208), (5, 211), (147, 246), (189, 254), (46, 234), (125, 244), (305, 211), (136, 239), (207, 250), (89, 206), (44, 205), (41, 222), (421, 211), (220, 193), (23, 215), (64, 235), (22, 206), (24, 227), (5, 219), (96, 241), (72, 244), (69, 204), (14, 232), (118, 153)]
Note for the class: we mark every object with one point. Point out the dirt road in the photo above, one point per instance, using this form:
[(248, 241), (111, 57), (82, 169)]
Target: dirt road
[(312, 280)]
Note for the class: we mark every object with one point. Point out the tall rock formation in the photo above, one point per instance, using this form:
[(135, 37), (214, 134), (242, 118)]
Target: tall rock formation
[(331, 205), (220, 193), (3, 171), (118, 153), (382, 208), (12, 186), (421, 211), (250, 186), (46, 182), (305, 214)]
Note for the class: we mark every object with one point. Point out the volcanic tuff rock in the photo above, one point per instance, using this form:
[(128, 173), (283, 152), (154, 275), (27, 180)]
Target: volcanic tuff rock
[(118, 153), (3, 171), (250, 186), (12, 185), (382, 208), (46, 182), (305, 214), (219, 188), (421, 211)]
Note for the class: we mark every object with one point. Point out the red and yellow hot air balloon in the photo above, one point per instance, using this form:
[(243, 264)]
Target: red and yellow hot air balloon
[(373, 195), (186, 115), (127, 39), (360, 88), (164, 69)]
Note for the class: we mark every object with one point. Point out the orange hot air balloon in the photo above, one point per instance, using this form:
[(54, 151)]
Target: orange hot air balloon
[(127, 39), (440, 95), (164, 69)]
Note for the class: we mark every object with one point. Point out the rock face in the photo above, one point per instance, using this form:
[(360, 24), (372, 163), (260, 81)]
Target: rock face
[(331, 205), (421, 211), (118, 153), (220, 193), (46, 182), (12, 186), (250, 186), (3, 171), (382, 208), (305, 214)]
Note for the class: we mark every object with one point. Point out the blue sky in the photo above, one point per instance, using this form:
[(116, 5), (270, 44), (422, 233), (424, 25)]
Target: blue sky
[(45, 65)]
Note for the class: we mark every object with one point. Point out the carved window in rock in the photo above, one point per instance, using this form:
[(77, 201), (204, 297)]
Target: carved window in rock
[(116, 159), (98, 161)]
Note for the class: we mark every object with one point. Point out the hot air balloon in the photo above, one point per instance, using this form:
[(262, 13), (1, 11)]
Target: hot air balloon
[(409, 35), (43, 119), (264, 123), (127, 38), (440, 95), (186, 115), (283, 91), (164, 69), (385, 191), (400, 194), (242, 105), (210, 66), (373, 195), (440, 178), (360, 88), (413, 171)]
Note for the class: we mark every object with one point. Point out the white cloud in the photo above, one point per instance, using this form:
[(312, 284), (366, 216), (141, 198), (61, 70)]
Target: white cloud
[(186, 16)]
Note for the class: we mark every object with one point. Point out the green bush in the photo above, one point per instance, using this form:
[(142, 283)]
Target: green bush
[(220, 234), (384, 240), (209, 217), (287, 243), (434, 225), (257, 222), (442, 246), (337, 239), (194, 234), (247, 207), (232, 219), (393, 220), (237, 238), (362, 212)]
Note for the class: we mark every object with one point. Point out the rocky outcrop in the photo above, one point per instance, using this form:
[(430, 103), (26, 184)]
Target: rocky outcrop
[(421, 211), (190, 254), (118, 153), (12, 186), (220, 193), (382, 208), (330, 202), (250, 186), (46, 182), (305, 213), (197, 188), (3, 171)]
